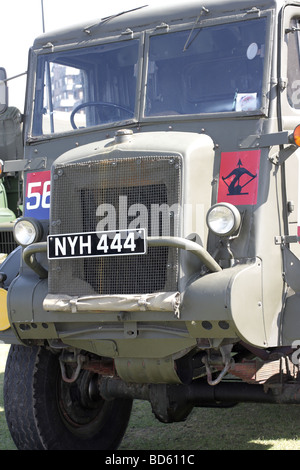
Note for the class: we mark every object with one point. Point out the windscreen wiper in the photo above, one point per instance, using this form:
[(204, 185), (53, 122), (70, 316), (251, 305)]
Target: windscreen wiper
[(108, 18), (189, 40)]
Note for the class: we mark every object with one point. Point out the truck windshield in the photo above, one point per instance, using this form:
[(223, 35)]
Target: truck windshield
[(85, 87), (206, 70)]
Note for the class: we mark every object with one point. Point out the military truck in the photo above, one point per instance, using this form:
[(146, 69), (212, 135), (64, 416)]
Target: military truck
[(158, 253), (11, 148)]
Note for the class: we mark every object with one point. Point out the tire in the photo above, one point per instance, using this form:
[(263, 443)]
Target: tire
[(18, 398), (60, 415)]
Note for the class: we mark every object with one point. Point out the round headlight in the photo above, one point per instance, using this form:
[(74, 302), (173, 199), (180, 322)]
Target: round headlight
[(223, 219), (27, 231)]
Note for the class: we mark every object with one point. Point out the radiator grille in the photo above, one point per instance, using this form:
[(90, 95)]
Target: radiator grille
[(117, 194), (7, 241)]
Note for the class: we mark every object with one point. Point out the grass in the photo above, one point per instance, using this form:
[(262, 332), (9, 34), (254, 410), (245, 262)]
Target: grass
[(244, 427)]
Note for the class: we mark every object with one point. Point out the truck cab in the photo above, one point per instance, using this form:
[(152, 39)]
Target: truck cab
[(159, 251)]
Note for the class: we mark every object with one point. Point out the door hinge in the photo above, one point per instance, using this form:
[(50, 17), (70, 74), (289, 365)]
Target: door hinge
[(283, 83)]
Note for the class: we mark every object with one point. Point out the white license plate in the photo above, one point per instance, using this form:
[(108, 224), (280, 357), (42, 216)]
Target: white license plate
[(89, 244)]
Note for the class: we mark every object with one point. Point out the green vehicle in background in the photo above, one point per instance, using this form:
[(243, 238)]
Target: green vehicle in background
[(158, 251), (11, 149)]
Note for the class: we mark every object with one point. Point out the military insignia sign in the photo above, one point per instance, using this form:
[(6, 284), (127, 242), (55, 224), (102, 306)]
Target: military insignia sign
[(239, 174)]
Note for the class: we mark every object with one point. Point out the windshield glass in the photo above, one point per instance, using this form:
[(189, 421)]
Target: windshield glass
[(85, 87), (206, 70)]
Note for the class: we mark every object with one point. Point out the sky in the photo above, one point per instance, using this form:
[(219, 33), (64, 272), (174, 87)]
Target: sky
[(21, 23)]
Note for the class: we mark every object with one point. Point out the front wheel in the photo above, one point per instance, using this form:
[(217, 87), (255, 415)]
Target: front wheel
[(59, 415)]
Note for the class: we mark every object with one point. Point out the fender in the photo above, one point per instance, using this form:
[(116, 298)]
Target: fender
[(8, 272)]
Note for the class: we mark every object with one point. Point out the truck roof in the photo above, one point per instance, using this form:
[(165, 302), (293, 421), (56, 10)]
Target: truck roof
[(146, 17)]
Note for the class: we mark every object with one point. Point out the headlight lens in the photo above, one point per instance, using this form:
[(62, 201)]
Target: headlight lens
[(27, 231), (223, 219)]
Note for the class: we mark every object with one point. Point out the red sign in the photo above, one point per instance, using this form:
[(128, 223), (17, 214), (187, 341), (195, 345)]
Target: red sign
[(238, 182)]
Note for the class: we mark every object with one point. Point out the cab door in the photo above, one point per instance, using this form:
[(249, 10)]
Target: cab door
[(289, 115), (289, 168)]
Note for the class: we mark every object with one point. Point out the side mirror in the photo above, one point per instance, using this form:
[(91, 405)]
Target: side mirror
[(3, 91)]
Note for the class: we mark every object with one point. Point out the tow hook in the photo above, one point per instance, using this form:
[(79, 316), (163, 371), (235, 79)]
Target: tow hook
[(70, 358), (227, 360)]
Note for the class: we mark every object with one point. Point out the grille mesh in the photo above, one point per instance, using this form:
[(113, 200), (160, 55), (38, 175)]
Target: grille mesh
[(117, 194), (7, 241)]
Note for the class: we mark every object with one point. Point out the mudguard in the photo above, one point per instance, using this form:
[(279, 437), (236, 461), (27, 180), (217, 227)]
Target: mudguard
[(9, 269)]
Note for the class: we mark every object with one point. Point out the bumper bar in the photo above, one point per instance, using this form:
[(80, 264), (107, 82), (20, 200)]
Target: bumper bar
[(29, 253)]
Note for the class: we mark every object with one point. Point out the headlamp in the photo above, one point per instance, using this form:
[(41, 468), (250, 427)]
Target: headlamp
[(223, 219), (27, 231)]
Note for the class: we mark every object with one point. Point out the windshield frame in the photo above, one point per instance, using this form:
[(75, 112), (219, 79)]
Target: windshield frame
[(264, 107), (53, 51), (144, 38)]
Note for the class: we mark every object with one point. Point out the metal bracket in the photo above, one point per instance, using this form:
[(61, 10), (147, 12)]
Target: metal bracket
[(127, 32), (130, 329), (291, 30), (283, 81), (254, 10), (36, 163), (162, 26), (286, 239), (271, 140), (265, 140), (283, 155)]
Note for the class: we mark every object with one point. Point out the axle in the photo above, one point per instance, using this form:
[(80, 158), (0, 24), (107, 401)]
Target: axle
[(174, 402)]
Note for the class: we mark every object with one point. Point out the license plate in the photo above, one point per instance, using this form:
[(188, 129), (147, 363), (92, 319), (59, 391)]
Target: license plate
[(89, 244)]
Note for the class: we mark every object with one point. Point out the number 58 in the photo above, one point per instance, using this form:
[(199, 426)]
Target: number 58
[(39, 198)]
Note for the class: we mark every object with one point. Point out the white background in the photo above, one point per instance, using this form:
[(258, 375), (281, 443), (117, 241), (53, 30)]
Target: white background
[(21, 22)]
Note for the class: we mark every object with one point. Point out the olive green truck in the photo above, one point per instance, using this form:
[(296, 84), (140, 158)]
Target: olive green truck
[(158, 252)]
